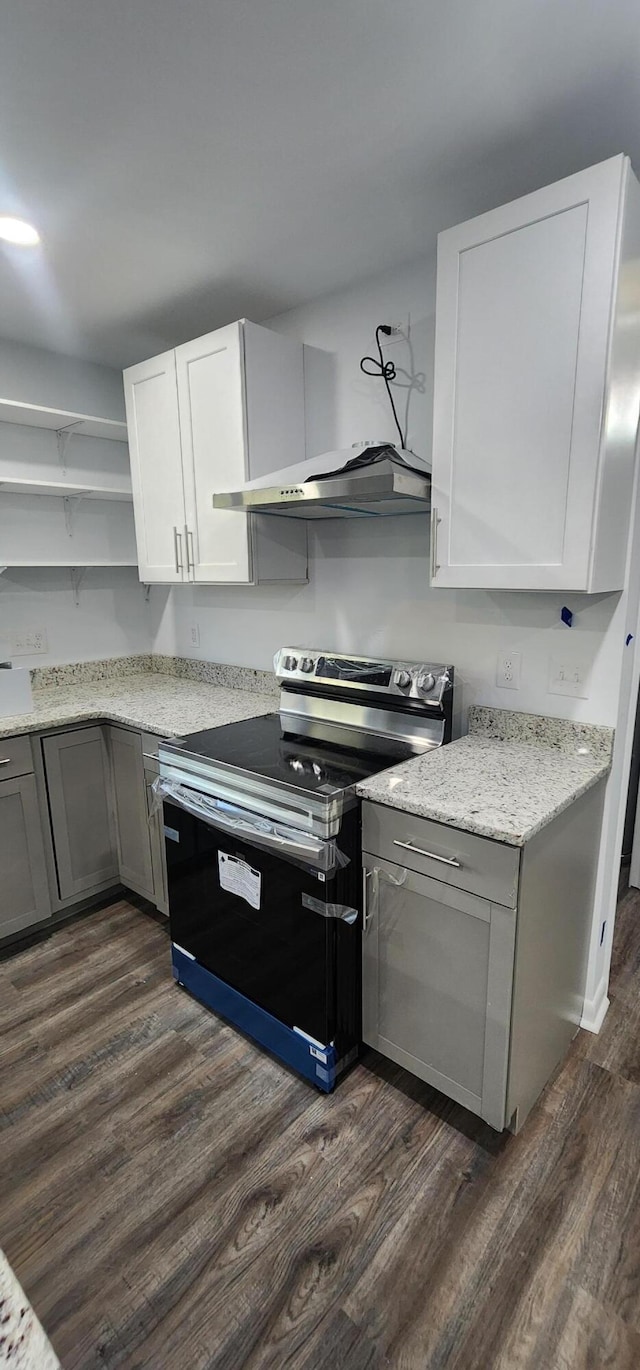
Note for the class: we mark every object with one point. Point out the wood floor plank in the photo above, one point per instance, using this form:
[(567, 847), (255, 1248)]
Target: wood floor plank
[(264, 1215), (179, 1199)]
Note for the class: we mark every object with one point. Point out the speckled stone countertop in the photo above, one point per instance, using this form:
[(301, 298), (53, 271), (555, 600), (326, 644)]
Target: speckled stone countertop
[(23, 1344), (507, 779), (155, 703)]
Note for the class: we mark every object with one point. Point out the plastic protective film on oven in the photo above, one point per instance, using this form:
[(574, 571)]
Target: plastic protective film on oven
[(293, 845), (371, 901)]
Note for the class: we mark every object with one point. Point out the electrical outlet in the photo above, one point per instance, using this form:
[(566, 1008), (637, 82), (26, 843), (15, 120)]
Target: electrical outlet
[(400, 332), (31, 642), (194, 635), (508, 670), (568, 678)]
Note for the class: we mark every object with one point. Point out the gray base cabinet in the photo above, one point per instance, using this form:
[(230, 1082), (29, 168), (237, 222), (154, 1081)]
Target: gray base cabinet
[(24, 890), (140, 832), (132, 818), (158, 853), (475, 952), (437, 975), (79, 788), (77, 818)]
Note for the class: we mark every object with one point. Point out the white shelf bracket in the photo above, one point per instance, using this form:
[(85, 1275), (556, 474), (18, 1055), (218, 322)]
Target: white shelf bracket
[(63, 438), (77, 574), (71, 505)]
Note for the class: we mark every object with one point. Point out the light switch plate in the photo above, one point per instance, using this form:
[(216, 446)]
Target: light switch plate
[(568, 678)]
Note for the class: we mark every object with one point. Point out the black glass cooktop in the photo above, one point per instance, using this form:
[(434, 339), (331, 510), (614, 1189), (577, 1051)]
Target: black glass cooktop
[(259, 745)]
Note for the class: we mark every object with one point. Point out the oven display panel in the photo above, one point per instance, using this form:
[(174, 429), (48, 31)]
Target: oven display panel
[(362, 672)]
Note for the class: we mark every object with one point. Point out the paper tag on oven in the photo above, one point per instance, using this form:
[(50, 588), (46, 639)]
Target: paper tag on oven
[(238, 877)]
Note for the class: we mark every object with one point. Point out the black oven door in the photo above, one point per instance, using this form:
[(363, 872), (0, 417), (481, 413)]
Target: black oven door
[(249, 916)]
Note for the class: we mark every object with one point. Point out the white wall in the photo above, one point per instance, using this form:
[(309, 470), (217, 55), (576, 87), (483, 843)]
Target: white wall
[(368, 587), (36, 376), (111, 618), (368, 592)]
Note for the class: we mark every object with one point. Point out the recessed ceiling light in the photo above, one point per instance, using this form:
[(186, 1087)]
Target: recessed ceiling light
[(18, 231)]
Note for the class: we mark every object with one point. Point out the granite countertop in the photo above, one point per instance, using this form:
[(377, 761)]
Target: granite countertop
[(155, 703), (509, 777), (23, 1343), (506, 780)]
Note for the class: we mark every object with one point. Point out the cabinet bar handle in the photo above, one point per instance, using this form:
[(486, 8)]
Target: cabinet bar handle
[(444, 860), (6, 761), (188, 538), (366, 916), (177, 539), (150, 756), (434, 542)]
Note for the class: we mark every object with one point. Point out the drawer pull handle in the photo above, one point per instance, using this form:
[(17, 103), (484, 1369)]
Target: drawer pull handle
[(444, 860), (6, 761)]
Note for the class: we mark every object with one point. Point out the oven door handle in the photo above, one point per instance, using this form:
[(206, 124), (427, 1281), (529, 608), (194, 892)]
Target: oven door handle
[(290, 843)]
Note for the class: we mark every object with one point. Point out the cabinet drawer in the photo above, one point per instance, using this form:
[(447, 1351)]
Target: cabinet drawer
[(15, 757), (457, 858)]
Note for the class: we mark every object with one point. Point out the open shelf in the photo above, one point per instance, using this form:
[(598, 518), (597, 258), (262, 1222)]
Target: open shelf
[(40, 416), (66, 565), (27, 486)]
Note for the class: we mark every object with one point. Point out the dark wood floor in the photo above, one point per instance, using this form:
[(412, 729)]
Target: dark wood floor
[(174, 1198)]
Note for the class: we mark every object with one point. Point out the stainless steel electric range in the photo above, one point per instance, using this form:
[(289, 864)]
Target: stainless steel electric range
[(262, 829)]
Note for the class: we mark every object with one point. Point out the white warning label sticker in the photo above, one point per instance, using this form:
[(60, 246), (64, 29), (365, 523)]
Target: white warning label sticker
[(238, 877)]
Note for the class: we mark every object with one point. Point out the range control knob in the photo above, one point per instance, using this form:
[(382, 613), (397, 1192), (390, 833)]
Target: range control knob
[(426, 683), (403, 679), (290, 663), (306, 663)]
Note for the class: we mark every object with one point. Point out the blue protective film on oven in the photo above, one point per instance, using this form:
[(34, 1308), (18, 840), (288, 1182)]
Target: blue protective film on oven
[(295, 1049)]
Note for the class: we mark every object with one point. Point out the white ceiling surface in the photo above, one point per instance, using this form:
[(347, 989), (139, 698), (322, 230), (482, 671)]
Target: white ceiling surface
[(192, 161)]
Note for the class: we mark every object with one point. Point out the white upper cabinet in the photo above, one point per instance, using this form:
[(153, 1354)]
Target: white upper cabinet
[(151, 400), (210, 375), (203, 419), (537, 388)]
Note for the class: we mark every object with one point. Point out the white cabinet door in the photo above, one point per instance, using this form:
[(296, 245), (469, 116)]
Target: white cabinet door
[(526, 312), (210, 375), (156, 468)]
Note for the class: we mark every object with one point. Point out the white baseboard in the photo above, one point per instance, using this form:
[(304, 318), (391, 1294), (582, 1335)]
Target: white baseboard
[(594, 1010)]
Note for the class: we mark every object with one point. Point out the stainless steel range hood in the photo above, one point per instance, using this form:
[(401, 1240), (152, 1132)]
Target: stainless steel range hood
[(391, 482)]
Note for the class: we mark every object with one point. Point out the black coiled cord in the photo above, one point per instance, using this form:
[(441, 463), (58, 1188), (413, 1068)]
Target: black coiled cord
[(386, 371)]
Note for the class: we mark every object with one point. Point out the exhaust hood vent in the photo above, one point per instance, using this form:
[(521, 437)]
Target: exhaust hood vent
[(368, 481)]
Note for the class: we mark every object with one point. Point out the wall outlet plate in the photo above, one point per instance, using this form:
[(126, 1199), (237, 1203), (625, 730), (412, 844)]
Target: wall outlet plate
[(568, 678), (31, 642), (508, 670), (194, 635), (401, 331)]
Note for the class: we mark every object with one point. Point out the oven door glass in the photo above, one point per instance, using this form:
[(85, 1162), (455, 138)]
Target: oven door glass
[(239, 910)]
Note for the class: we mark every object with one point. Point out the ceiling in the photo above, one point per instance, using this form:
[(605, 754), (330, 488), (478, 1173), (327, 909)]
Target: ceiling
[(191, 161)]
